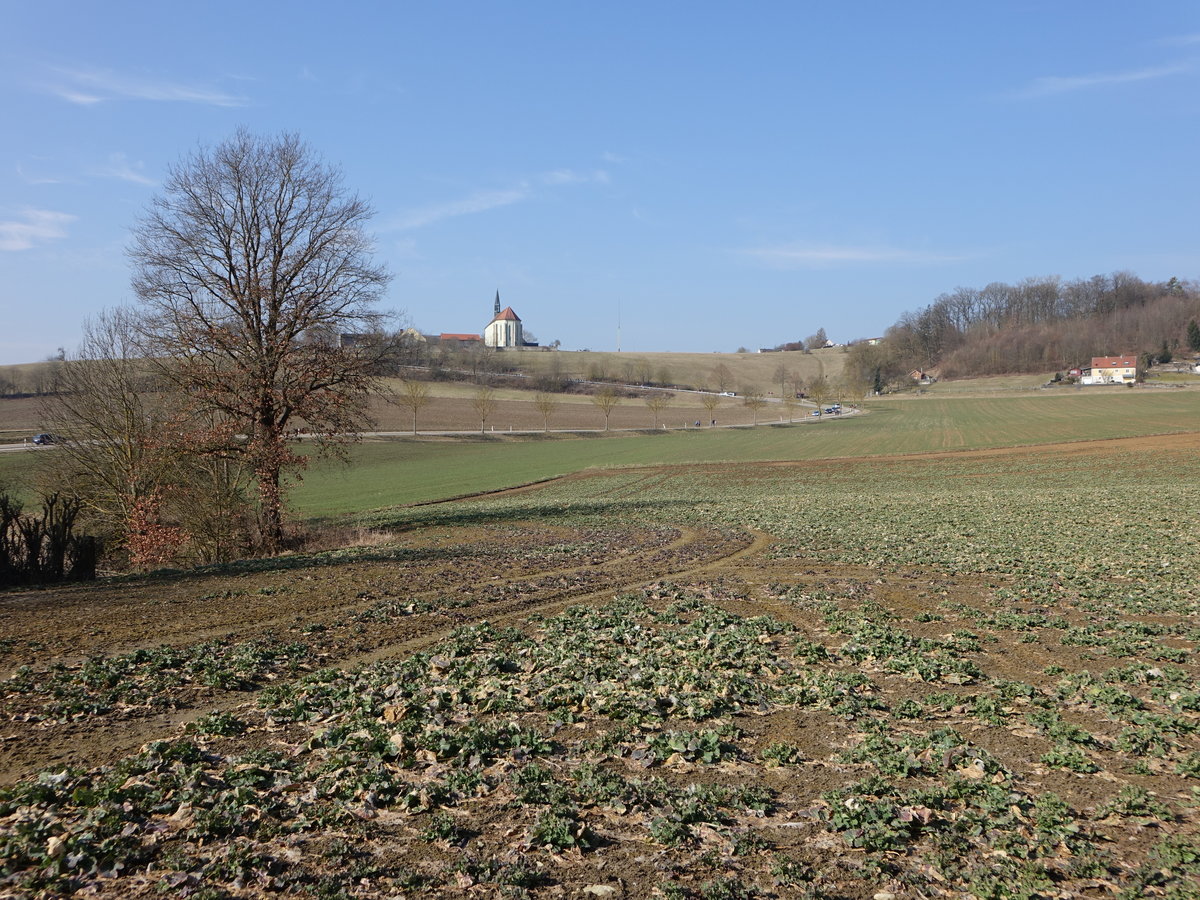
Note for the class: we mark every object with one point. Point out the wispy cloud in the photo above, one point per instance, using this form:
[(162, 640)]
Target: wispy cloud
[(89, 86), (33, 227), (482, 201), (1043, 87), (816, 256), (120, 167), (1182, 40), (569, 176), (32, 178)]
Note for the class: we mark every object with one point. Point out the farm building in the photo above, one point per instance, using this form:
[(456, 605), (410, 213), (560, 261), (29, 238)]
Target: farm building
[(1111, 370), (460, 340)]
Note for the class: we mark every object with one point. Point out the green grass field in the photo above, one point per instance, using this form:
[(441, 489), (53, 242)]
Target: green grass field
[(388, 473), (400, 472)]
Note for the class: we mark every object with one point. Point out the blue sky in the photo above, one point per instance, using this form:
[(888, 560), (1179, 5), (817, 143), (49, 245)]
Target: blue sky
[(719, 175)]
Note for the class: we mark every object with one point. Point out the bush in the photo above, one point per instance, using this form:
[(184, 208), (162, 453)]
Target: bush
[(39, 549)]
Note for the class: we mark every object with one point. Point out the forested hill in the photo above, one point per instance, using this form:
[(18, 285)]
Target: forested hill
[(1040, 325)]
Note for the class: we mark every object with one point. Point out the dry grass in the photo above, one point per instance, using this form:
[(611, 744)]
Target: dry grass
[(687, 369)]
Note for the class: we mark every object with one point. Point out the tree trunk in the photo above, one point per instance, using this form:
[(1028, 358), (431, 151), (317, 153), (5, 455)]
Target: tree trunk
[(270, 494), (270, 514)]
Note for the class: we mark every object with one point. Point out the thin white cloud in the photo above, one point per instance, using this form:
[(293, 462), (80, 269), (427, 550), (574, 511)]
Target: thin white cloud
[(815, 256), (568, 176), (33, 227), (1182, 40), (120, 167), (1043, 87), (89, 86), (31, 178), (482, 201)]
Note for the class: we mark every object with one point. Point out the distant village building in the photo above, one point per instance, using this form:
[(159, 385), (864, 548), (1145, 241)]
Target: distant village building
[(411, 334), (505, 329), (1111, 370), (449, 339)]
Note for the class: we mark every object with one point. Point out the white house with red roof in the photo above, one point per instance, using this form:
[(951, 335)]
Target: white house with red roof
[(505, 329), (1111, 370)]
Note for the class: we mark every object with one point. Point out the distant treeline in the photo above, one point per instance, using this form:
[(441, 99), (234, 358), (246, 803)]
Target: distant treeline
[(1037, 325)]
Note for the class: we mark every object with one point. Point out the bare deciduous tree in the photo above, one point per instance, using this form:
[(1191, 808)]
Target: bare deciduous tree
[(413, 396), (606, 399), (819, 390), (789, 405), (484, 403), (127, 460), (722, 377), (251, 264), (710, 402), (783, 375), (127, 457), (106, 404), (658, 402), (754, 401), (546, 404)]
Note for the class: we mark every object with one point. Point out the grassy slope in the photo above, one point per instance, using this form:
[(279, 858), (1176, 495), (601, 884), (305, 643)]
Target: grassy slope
[(389, 473), (748, 369)]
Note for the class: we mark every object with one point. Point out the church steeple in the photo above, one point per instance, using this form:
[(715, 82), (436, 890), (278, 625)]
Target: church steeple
[(497, 312)]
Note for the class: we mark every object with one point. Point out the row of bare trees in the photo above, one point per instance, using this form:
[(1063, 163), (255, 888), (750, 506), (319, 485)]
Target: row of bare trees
[(416, 395)]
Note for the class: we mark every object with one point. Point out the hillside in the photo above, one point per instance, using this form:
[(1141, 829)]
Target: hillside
[(1038, 325), (743, 371)]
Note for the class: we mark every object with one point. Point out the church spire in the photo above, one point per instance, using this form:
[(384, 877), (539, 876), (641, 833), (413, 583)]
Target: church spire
[(497, 303)]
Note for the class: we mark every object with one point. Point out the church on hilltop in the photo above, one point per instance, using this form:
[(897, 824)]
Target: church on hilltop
[(504, 332), (505, 329)]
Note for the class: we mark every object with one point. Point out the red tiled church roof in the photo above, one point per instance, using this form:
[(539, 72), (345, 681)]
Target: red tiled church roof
[(507, 315)]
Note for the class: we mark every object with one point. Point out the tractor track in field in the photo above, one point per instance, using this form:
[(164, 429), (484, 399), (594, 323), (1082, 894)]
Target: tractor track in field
[(30, 746)]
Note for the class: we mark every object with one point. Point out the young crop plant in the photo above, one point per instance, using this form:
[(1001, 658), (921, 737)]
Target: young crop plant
[(217, 723), (781, 754), (694, 746), (1135, 802), (441, 826), (1071, 757), (560, 829)]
